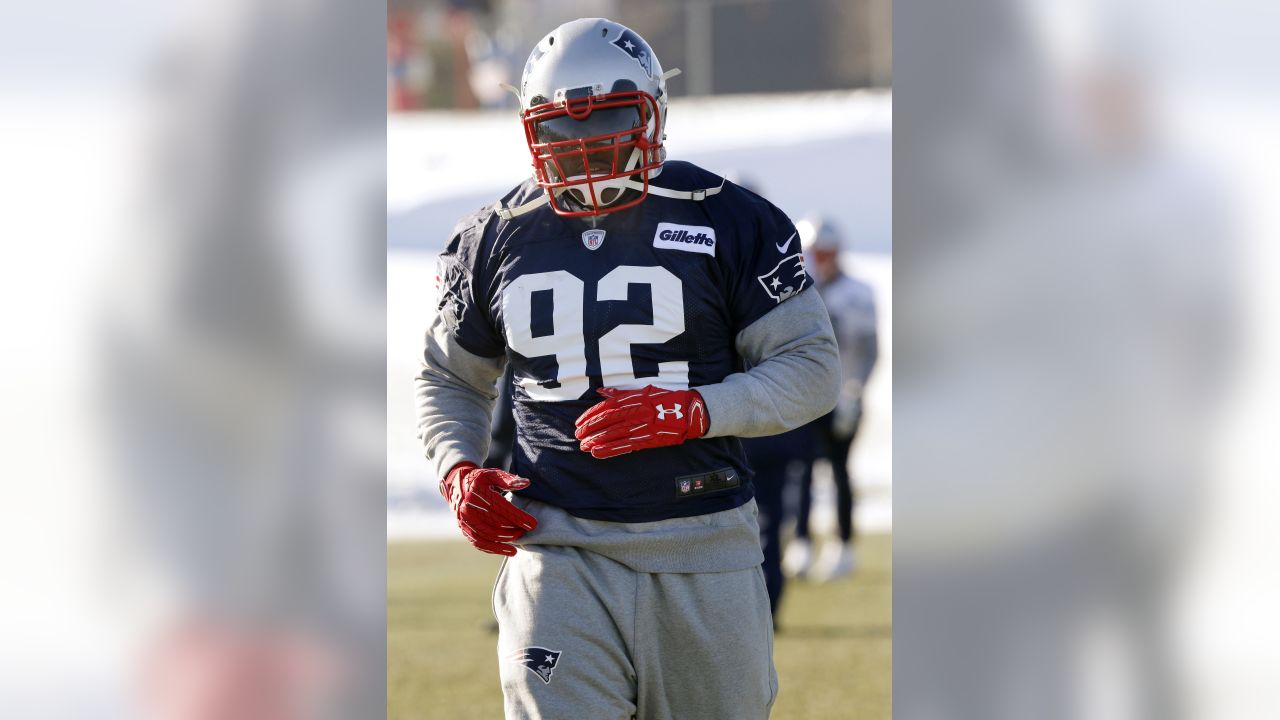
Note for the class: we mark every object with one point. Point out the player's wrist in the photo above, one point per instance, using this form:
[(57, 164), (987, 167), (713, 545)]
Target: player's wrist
[(453, 478), (461, 468), (700, 422), (725, 403)]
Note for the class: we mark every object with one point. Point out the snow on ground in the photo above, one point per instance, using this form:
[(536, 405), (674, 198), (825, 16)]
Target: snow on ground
[(826, 152)]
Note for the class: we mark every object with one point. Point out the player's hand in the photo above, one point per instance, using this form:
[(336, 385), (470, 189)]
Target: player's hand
[(487, 519), (630, 420)]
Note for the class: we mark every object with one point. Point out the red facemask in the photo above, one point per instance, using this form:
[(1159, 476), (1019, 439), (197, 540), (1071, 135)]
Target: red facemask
[(582, 147)]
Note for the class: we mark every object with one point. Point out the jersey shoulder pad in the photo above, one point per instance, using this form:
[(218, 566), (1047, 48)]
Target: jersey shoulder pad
[(736, 194), (466, 244), (683, 175), (750, 213), (471, 227), (523, 199)]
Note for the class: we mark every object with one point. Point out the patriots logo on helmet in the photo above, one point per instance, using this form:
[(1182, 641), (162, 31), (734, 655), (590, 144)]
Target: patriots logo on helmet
[(539, 660), (786, 279), (631, 44), (534, 57)]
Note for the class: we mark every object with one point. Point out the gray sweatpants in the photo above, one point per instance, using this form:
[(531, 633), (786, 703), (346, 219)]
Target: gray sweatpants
[(584, 636)]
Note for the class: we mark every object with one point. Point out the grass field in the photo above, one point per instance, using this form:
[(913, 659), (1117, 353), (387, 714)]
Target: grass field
[(833, 653)]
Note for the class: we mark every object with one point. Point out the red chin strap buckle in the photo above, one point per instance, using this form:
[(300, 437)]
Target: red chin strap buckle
[(579, 108)]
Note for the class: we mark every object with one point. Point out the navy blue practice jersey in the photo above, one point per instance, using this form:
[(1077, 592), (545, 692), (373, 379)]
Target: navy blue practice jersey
[(654, 295)]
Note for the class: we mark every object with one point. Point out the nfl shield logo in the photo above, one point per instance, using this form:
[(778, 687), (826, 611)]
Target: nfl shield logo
[(684, 486), (593, 239)]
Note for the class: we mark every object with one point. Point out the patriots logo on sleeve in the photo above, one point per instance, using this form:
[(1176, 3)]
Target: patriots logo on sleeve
[(786, 279), (540, 661)]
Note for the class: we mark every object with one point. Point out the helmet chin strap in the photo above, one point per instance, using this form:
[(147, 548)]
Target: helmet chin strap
[(618, 185), (695, 195)]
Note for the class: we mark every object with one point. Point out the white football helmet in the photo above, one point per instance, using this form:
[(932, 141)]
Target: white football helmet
[(593, 102)]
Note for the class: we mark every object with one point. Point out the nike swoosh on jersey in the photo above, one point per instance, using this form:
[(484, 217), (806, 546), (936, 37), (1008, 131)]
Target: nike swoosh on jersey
[(783, 247)]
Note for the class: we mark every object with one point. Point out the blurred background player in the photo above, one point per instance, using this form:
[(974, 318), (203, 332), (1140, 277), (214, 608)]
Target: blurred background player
[(851, 304), (779, 461)]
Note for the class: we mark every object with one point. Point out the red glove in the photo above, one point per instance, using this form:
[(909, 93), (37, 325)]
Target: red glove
[(630, 420), (485, 517)]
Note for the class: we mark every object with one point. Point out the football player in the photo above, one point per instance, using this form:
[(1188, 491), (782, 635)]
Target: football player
[(652, 313), (851, 303)]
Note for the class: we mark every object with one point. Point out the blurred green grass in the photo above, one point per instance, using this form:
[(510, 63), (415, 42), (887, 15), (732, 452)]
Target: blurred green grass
[(833, 654)]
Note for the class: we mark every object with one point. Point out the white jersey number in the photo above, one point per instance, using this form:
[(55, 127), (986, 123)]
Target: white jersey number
[(568, 344)]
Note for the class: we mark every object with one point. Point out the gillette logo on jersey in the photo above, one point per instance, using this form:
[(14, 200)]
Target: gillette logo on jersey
[(693, 238)]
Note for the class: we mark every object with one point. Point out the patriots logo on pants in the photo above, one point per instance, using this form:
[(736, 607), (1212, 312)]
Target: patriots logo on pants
[(786, 279), (539, 660)]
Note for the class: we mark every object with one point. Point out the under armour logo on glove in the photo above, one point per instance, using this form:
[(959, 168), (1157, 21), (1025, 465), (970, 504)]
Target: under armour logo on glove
[(630, 420)]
